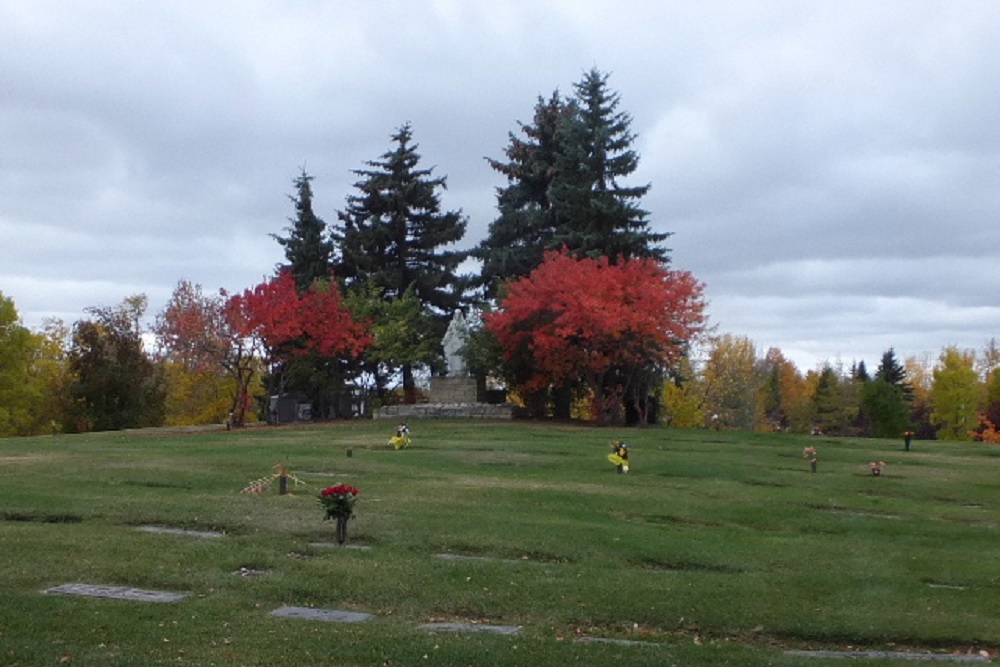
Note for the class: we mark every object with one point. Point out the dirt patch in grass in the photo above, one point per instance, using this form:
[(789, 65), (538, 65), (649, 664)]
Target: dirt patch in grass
[(902, 648), (40, 517), (152, 484), (655, 565), (668, 520), (764, 482)]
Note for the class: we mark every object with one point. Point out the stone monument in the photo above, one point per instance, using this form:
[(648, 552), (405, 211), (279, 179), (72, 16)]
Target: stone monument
[(456, 386), (454, 340), (453, 394)]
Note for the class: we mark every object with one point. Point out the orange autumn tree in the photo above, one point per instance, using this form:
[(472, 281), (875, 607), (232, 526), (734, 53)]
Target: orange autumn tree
[(198, 352), (597, 324), (287, 323)]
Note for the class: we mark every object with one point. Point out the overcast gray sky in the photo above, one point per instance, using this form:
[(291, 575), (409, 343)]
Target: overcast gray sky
[(830, 169)]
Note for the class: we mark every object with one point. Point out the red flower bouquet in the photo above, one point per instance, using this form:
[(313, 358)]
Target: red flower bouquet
[(338, 501)]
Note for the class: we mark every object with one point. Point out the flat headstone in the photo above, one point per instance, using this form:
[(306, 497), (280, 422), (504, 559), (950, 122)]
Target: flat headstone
[(327, 474), (115, 593), (472, 627), (180, 531), (611, 640), (892, 655), (482, 559), (328, 615), (332, 545)]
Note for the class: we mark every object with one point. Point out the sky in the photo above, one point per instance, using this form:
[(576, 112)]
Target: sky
[(829, 169)]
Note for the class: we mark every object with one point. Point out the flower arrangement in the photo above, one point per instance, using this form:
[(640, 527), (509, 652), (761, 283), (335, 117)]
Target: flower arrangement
[(338, 501), (877, 467), (402, 438), (810, 453), (619, 455)]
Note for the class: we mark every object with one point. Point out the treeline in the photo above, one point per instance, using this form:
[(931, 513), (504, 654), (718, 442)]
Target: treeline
[(575, 312), (733, 386)]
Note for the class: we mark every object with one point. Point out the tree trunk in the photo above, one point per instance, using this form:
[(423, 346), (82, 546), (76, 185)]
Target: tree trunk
[(409, 389)]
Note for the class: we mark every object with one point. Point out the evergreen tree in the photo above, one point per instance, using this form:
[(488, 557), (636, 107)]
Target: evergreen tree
[(891, 370), (394, 236), (308, 251), (860, 379), (565, 187), (527, 224), (885, 407), (598, 214)]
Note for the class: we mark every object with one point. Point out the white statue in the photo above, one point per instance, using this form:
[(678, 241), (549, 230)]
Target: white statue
[(454, 340)]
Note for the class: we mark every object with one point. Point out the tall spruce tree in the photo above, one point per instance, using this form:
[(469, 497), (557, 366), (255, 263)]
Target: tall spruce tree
[(527, 222), (308, 250), (893, 372), (885, 400), (599, 215), (309, 253), (395, 237), (566, 186)]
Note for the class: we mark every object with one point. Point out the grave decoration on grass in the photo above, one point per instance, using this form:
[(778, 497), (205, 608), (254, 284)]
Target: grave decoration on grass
[(619, 455), (907, 437), (877, 467), (281, 475), (402, 438), (810, 453), (338, 504)]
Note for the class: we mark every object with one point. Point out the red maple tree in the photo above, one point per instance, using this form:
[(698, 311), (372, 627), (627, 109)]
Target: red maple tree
[(288, 323), (582, 319)]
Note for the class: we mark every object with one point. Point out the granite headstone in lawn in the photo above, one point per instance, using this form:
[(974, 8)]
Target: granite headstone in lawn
[(329, 615), (164, 530), (612, 640), (894, 655), (115, 593), (482, 559), (472, 627)]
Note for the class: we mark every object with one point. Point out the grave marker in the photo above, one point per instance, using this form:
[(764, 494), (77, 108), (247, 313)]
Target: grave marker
[(328, 615), (115, 593)]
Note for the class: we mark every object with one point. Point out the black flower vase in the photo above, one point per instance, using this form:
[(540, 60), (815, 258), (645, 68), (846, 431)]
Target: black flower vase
[(341, 529)]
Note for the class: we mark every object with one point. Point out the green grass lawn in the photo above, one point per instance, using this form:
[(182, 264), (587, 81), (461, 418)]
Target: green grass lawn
[(716, 549)]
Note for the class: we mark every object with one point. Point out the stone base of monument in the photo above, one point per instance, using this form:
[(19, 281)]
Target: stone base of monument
[(449, 397), (453, 390), (401, 413)]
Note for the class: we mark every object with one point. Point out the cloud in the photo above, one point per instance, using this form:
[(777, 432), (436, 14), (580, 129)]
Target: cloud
[(828, 169)]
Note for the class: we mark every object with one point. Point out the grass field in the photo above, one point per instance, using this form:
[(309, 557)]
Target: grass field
[(716, 549)]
